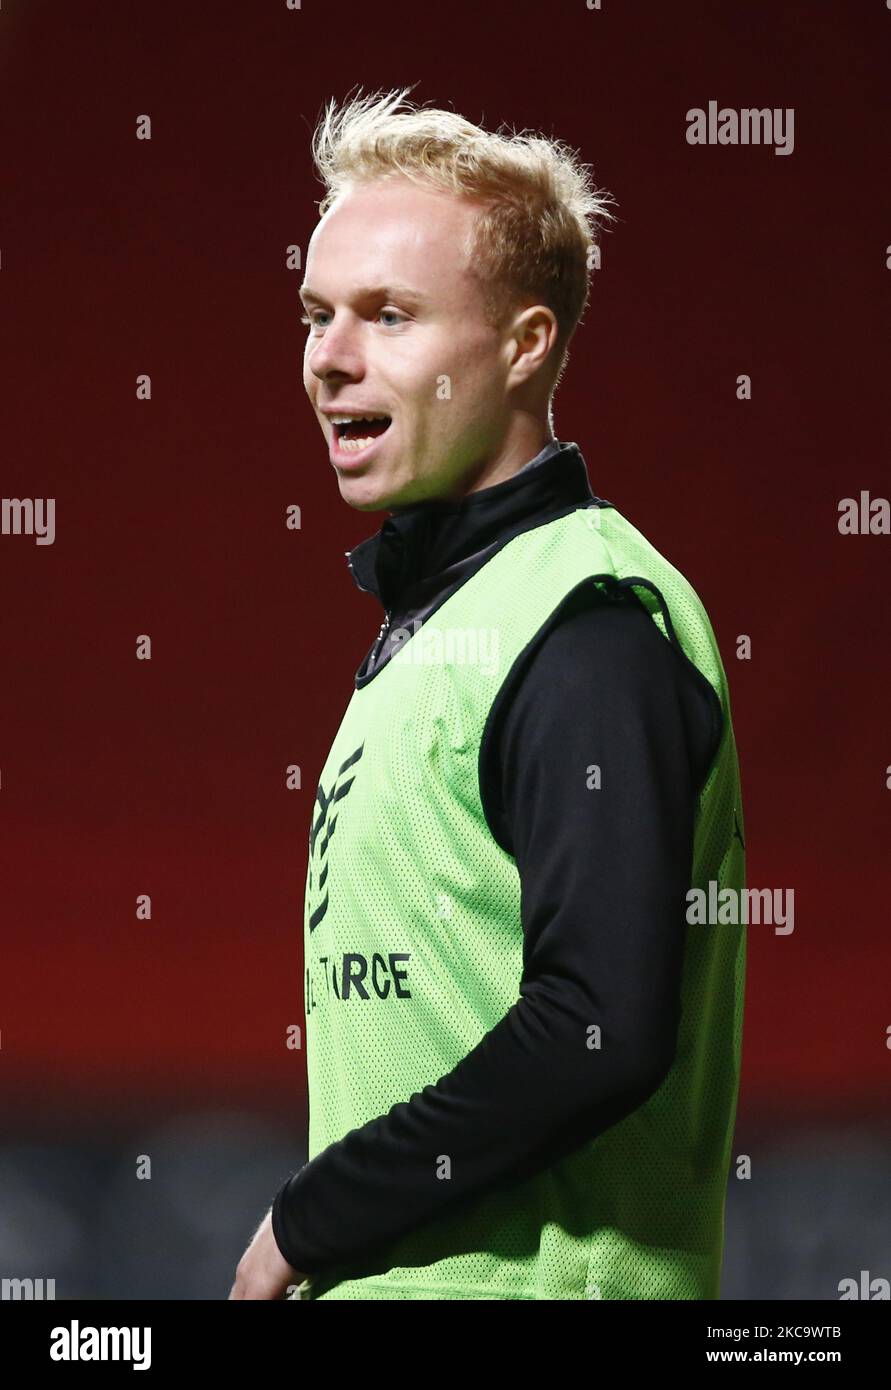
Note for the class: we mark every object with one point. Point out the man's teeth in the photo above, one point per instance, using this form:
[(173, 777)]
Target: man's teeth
[(348, 419), (354, 445)]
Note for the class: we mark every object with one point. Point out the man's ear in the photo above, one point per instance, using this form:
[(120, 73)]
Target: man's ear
[(533, 336)]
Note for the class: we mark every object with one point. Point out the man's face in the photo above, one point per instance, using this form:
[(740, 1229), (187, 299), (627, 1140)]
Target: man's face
[(397, 329)]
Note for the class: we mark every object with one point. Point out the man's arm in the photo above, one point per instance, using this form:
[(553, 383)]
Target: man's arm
[(604, 876), (263, 1272)]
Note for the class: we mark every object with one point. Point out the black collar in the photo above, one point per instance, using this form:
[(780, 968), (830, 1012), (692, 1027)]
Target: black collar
[(422, 540)]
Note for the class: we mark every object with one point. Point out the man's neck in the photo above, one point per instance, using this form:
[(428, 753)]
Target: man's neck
[(516, 454), (522, 447)]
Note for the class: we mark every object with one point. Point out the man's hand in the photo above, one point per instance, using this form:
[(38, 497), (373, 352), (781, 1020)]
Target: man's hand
[(263, 1271)]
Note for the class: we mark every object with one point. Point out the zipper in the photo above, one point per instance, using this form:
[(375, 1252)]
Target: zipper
[(349, 558), (384, 628), (388, 614)]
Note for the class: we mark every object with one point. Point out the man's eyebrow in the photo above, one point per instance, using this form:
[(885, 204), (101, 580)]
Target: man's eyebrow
[(392, 291)]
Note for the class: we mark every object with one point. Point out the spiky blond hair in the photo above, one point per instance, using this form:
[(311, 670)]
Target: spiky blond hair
[(540, 213)]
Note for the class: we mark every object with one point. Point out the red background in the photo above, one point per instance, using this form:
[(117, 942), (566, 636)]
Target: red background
[(121, 257)]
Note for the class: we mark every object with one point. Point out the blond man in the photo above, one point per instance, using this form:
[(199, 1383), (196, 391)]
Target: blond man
[(522, 1058)]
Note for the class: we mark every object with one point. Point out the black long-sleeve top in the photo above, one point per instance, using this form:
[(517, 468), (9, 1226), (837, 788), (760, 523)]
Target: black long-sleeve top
[(604, 872)]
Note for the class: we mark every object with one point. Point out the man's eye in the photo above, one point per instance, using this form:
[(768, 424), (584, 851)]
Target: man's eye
[(312, 320)]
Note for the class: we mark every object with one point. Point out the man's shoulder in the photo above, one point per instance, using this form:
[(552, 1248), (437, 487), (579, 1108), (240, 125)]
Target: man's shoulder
[(600, 664), (600, 637)]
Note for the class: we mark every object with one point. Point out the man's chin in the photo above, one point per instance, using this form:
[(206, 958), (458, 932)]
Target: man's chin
[(363, 492)]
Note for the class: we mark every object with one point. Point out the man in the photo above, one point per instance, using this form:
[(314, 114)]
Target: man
[(522, 1060)]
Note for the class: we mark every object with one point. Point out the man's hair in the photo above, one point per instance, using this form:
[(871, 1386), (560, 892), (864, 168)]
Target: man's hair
[(540, 212)]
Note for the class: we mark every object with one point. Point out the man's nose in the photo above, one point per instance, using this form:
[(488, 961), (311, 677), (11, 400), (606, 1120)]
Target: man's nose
[(337, 351)]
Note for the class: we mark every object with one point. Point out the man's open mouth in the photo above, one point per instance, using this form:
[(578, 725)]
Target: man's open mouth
[(355, 432)]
